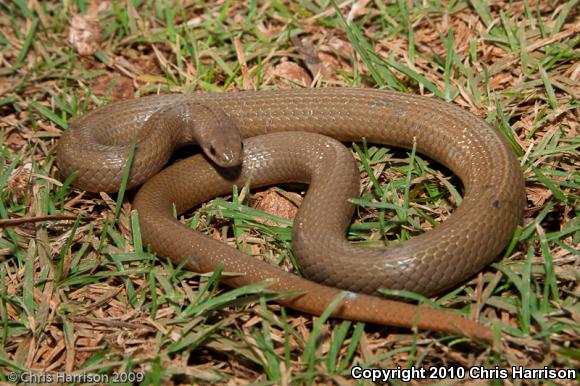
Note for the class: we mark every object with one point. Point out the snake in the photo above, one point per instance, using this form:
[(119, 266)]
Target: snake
[(297, 135)]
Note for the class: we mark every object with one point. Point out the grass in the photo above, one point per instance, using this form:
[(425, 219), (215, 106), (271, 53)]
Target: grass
[(80, 293)]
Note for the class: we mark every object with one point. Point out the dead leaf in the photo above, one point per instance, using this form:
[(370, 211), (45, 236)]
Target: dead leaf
[(276, 205), (330, 65), (310, 57), (538, 195), (291, 73), (122, 87), (19, 181), (84, 34)]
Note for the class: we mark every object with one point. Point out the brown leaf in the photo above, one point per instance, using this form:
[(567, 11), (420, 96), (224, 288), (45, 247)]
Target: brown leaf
[(84, 34), (329, 65), (122, 86), (357, 9), (19, 181), (309, 56), (277, 205), (341, 47), (291, 73), (538, 195)]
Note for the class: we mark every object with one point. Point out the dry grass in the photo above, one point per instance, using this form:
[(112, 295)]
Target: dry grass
[(79, 294)]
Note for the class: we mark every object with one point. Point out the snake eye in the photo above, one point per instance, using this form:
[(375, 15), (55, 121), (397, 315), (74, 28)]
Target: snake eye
[(212, 150)]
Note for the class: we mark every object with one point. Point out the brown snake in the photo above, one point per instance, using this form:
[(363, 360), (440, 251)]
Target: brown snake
[(96, 147)]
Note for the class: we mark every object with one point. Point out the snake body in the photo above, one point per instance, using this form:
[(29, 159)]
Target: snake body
[(96, 148)]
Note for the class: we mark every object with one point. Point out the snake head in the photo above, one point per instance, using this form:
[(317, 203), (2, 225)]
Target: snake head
[(217, 135), (225, 151)]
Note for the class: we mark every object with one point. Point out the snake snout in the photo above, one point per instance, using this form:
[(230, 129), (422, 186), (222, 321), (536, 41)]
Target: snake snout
[(224, 155)]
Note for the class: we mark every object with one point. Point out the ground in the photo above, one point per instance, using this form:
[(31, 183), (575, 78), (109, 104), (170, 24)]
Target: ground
[(78, 292)]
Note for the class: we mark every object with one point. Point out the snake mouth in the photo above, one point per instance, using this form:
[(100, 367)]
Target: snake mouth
[(224, 158)]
